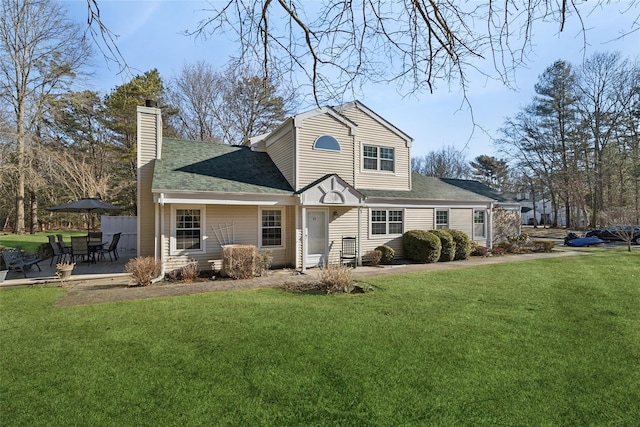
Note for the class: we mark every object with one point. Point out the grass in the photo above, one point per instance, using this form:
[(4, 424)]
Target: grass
[(548, 342), (30, 242)]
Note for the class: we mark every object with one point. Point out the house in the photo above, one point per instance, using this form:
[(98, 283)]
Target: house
[(322, 175), (543, 212), (506, 209)]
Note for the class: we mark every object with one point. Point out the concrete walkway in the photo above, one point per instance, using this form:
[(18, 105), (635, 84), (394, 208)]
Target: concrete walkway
[(101, 290)]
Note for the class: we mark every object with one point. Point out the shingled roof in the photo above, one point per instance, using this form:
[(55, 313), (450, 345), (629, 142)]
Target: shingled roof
[(480, 188), (195, 166), (430, 188)]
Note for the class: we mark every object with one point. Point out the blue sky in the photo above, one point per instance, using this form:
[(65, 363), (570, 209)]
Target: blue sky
[(149, 36)]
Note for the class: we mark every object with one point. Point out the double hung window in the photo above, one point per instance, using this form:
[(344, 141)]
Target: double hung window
[(188, 230), (442, 219), (386, 222), (271, 222), (378, 158), (479, 229)]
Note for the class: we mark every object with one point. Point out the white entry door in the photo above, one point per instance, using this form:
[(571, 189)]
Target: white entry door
[(316, 236)]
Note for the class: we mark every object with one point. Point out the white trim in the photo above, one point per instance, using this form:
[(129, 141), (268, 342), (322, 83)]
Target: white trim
[(484, 224), (386, 235), (331, 150), (435, 217), (283, 225), (203, 228), (207, 198), (378, 159), (407, 139)]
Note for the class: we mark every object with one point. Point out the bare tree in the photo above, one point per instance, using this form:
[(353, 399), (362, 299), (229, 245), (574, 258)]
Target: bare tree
[(447, 162), (195, 92), (40, 51), (227, 106), (621, 223), (340, 45), (606, 94)]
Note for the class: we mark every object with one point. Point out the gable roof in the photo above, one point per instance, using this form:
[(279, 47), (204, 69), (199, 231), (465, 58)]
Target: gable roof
[(429, 188), (479, 188), (357, 104), (196, 166)]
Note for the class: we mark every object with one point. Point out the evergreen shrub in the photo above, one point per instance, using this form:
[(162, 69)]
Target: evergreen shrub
[(388, 254), (448, 251), (421, 246), (463, 244)]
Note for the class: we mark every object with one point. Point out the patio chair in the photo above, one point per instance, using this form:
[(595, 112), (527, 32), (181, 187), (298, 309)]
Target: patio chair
[(95, 236), (348, 254), (15, 260), (63, 245), (79, 248), (58, 253), (113, 248)]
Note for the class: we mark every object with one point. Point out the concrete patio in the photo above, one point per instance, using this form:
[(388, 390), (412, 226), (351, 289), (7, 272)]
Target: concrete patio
[(82, 271)]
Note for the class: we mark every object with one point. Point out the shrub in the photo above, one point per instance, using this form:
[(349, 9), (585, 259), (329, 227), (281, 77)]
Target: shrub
[(448, 251), (143, 270), (372, 258), (388, 254), (239, 261), (543, 245), (265, 258), (421, 246), (335, 278), (190, 271), (499, 250), (480, 251), (518, 239), (463, 244)]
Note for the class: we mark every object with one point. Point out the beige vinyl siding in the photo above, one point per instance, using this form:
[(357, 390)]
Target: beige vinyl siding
[(147, 137), (282, 153), (314, 164), (418, 219), (245, 221), (372, 132), (461, 219), (345, 225)]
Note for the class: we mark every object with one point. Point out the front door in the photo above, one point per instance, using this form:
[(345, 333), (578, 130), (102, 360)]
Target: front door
[(316, 236)]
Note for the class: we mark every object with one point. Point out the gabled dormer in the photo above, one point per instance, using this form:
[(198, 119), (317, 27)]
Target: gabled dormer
[(350, 141)]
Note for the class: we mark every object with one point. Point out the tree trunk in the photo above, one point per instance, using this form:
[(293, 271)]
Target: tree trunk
[(34, 212)]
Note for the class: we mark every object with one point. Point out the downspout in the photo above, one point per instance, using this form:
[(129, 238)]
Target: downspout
[(159, 243), (490, 227)]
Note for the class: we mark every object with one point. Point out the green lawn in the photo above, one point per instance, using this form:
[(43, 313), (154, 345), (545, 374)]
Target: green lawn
[(548, 342), (30, 242)]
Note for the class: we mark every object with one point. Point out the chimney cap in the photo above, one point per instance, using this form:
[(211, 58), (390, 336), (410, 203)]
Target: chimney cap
[(150, 103)]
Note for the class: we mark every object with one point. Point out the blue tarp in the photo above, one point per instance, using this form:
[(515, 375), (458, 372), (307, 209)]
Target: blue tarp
[(584, 241)]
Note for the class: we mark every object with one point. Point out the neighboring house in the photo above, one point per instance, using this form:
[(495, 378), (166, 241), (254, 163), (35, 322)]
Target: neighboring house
[(543, 212), (322, 175)]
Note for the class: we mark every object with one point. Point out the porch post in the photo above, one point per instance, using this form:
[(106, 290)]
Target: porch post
[(359, 260), (303, 236)]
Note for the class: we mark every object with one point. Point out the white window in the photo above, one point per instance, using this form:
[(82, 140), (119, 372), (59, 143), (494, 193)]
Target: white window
[(479, 229), (386, 222), (377, 158), (187, 230), (326, 142), (442, 219), (271, 228)]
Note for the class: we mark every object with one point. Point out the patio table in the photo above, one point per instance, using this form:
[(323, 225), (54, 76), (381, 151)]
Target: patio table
[(93, 249)]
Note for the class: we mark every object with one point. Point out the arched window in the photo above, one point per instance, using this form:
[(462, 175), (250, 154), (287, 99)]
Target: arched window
[(326, 142)]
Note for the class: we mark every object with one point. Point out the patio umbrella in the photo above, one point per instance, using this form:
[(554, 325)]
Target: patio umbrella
[(86, 205)]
